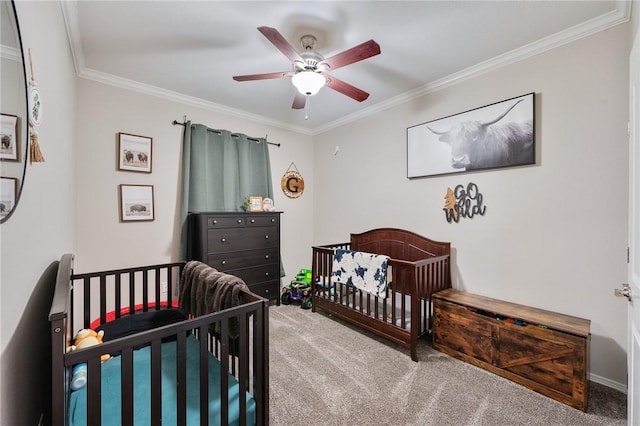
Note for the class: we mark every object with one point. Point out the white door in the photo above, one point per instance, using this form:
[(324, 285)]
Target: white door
[(634, 238)]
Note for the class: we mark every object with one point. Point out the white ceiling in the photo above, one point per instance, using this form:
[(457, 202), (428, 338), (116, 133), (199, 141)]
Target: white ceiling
[(189, 50)]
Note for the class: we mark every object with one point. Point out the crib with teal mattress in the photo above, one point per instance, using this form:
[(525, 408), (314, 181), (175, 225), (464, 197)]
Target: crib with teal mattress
[(165, 367)]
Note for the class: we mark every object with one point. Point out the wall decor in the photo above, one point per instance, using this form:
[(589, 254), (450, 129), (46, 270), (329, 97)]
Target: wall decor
[(8, 137), (292, 182), (34, 102), (134, 153), (136, 203), (8, 191), (463, 202), (255, 204), (493, 136)]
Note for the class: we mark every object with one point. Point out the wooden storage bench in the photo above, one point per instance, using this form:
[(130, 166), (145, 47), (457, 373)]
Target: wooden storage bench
[(542, 350)]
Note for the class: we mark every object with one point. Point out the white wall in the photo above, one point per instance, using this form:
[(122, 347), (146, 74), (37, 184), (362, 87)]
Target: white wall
[(555, 234), (43, 226), (105, 242)]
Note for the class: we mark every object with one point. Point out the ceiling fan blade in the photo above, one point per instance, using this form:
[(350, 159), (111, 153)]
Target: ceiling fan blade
[(265, 76), (299, 101), (281, 43), (346, 89), (358, 53)]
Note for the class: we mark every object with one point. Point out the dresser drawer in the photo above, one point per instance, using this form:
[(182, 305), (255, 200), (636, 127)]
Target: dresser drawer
[(257, 274), (237, 260), (224, 221), (268, 290), (262, 220), (236, 239)]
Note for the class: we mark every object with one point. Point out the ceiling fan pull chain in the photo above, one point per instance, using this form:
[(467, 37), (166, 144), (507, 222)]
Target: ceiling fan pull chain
[(306, 108)]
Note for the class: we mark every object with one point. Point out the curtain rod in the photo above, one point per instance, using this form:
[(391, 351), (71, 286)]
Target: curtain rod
[(177, 123)]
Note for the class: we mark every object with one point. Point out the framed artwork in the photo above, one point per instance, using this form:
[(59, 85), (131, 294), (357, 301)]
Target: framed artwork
[(255, 204), (136, 203), (8, 137), (134, 153), (8, 193), (493, 136)]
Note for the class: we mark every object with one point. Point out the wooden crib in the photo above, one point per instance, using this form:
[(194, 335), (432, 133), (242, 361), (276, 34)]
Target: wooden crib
[(419, 267), (190, 371)]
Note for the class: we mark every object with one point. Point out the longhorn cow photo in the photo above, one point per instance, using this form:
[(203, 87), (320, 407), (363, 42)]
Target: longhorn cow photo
[(497, 135)]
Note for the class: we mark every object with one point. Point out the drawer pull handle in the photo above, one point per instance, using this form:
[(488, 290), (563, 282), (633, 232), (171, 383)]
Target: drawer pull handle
[(266, 256), (239, 220), (215, 222), (223, 240), (266, 237), (273, 220), (224, 262), (253, 221), (266, 274)]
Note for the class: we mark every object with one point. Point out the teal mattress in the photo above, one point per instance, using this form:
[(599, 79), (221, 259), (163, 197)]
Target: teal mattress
[(111, 411)]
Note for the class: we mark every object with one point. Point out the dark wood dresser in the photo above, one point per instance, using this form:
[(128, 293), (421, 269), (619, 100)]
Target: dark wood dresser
[(542, 350), (246, 245)]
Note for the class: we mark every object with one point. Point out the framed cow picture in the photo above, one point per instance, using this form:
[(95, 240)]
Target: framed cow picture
[(134, 153), (493, 136)]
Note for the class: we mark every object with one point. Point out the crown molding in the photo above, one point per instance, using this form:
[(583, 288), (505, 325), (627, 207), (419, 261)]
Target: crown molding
[(70, 14), (135, 86), (72, 24), (10, 53), (620, 15)]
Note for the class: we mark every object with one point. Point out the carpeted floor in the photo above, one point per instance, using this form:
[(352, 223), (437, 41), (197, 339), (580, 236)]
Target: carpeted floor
[(324, 372)]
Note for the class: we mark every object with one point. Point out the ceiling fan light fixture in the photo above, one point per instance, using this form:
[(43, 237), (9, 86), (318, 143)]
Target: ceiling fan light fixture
[(308, 82)]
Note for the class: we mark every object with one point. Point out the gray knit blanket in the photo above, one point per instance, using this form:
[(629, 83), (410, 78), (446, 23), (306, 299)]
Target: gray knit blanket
[(204, 290)]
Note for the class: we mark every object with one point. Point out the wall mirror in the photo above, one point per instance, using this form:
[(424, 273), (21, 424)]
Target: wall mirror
[(14, 145)]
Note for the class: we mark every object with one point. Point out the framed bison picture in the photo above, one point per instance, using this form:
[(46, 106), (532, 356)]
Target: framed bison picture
[(496, 135), (8, 136), (8, 191), (134, 153), (136, 203)]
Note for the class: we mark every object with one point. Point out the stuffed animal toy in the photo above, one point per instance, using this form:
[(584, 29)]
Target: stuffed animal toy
[(86, 338)]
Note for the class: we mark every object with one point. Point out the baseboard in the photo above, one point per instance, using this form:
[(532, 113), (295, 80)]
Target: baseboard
[(608, 382)]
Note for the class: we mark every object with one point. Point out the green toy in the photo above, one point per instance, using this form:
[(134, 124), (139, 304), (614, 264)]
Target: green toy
[(298, 289), (304, 275)]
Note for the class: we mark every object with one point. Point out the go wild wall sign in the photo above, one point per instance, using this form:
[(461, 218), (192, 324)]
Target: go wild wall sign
[(463, 202)]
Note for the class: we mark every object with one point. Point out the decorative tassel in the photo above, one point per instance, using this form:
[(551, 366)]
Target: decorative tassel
[(36, 154), (35, 111)]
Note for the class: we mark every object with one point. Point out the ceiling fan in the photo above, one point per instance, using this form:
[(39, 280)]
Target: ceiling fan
[(310, 68)]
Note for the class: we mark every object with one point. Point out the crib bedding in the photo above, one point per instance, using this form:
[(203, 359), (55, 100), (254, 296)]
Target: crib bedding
[(111, 388), (365, 271)]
